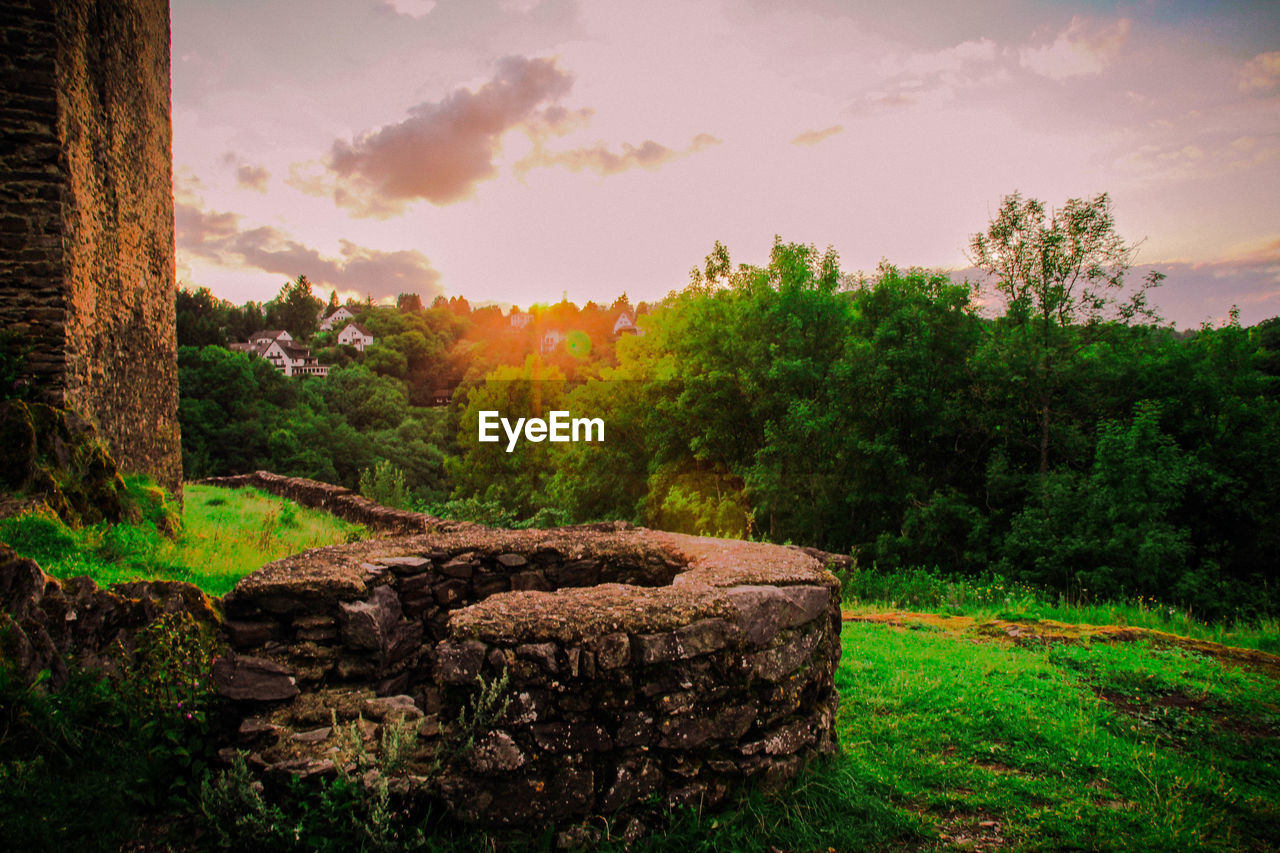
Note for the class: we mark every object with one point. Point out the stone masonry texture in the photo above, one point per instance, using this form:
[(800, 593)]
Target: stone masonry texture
[(86, 216), (629, 671)]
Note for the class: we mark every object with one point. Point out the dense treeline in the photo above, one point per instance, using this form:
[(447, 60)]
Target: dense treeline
[(239, 414), (1043, 425), (895, 421)]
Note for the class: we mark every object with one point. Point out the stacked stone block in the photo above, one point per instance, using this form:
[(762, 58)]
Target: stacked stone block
[(338, 501), (639, 667), (86, 217)]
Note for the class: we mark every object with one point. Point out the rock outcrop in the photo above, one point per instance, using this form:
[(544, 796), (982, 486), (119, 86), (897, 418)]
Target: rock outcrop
[(53, 457)]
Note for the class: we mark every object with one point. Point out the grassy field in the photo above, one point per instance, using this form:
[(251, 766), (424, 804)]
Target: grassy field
[(958, 740), (968, 721), (224, 534)]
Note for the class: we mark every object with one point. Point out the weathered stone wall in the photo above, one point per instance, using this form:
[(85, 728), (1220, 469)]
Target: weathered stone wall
[(641, 667), (44, 622), (639, 670), (338, 501), (86, 216)]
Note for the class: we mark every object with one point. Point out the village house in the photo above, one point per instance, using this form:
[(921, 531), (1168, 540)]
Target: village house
[(520, 319), (356, 336), (551, 339), (337, 318), (626, 324), (285, 354)]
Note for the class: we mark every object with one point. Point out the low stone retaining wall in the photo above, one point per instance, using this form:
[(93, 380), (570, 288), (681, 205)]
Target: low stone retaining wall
[(629, 666), (338, 501), (45, 621)]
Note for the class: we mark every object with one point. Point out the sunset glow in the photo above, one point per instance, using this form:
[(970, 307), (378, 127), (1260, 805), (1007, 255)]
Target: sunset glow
[(517, 151)]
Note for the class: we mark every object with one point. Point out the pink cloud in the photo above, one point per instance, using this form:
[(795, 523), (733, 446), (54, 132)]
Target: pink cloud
[(1083, 48), (813, 137), (1261, 74), (598, 157), (442, 150)]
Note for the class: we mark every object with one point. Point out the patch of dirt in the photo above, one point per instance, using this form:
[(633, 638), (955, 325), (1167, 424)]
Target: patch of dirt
[(976, 831), (1177, 699), (1245, 728), (1000, 768)]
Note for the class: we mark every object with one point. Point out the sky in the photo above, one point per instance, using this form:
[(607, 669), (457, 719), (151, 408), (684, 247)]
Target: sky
[(520, 151)]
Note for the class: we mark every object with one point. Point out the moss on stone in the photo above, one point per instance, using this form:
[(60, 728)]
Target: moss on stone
[(57, 459)]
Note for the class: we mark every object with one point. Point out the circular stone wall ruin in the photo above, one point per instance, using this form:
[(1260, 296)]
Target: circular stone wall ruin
[(637, 666)]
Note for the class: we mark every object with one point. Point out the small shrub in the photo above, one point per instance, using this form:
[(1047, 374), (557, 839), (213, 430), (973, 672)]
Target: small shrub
[(384, 484), (486, 707), (166, 686), (355, 811)]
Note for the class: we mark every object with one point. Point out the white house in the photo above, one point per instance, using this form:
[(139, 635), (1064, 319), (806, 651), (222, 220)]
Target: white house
[(341, 315), (625, 324), (520, 319), (355, 335), (551, 339), (286, 355)]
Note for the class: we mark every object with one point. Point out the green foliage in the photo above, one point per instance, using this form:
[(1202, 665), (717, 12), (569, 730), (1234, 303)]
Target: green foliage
[(224, 534), (484, 710), (519, 479), (493, 513), (354, 811), (82, 766), (238, 414), (295, 309), (1111, 532), (384, 484)]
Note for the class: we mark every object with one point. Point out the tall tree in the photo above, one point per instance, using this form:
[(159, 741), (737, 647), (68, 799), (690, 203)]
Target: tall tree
[(296, 309), (1061, 275)]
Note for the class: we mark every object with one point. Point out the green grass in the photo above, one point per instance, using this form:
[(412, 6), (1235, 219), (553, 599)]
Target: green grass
[(950, 743), (229, 533), (1064, 746), (993, 596), (224, 535)]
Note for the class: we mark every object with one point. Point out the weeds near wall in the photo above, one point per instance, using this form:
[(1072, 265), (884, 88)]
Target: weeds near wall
[(81, 767), (479, 716), (354, 810)]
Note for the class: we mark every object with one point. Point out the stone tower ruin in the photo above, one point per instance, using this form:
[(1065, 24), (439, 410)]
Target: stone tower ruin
[(86, 217)]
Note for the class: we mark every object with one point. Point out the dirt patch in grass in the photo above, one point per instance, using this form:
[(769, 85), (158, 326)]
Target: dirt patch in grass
[(1176, 699), (1050, 631), (976, 831), (1246, 728)]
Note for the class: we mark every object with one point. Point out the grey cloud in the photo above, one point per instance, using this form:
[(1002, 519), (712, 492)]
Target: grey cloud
[(252, 177), (218, 237)]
